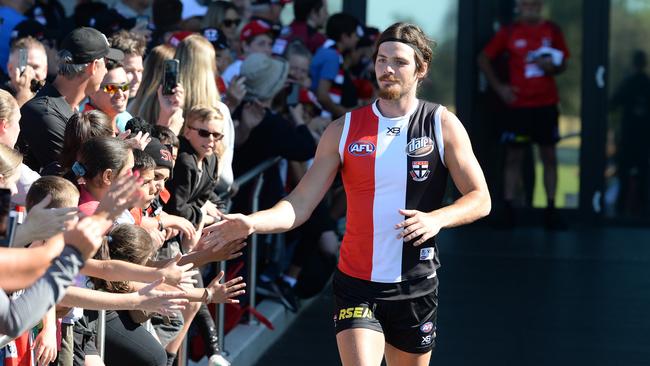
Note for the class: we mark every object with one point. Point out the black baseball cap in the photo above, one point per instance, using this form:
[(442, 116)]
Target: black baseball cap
[(216, 37), (88, 44)]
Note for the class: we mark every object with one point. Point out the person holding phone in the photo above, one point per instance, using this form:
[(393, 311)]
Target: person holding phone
[(27, 67)]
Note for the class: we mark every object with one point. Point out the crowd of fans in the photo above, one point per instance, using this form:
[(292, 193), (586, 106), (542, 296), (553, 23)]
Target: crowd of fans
[(121, 177)]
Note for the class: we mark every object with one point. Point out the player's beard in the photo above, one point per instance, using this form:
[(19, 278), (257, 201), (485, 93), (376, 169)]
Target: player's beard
[(391, 92)]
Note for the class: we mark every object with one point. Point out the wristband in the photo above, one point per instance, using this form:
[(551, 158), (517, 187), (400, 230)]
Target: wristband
[(207, 296)]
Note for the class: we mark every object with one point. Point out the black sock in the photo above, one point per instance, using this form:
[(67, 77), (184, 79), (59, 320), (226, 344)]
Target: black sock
[(170, 358)]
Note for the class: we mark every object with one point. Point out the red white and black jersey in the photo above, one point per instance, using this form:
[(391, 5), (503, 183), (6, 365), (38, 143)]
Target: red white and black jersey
[(389, 164)]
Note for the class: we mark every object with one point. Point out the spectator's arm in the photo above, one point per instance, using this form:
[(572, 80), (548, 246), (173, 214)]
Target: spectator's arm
[(485, 64), (116, 270), (18, 315), (323, 95), (20, 267), (146, 298), (505, 91)]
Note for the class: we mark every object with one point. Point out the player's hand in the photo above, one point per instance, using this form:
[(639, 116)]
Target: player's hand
[(418, 225), (232, 227)]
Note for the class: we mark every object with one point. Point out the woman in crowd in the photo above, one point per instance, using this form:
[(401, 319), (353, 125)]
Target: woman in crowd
[(223, 16), (101, 161), (150, 104), (198, 70)]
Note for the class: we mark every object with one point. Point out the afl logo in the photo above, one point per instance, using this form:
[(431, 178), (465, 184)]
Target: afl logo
[(426, 327), (361, 148), (418, 147)]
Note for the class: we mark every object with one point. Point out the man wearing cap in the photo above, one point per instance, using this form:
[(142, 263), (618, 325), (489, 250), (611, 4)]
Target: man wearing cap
[(394, 156), (256, 36), (81, 71)]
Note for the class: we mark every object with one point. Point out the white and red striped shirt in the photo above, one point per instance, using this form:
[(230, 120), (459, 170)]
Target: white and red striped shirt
[(389, 164)]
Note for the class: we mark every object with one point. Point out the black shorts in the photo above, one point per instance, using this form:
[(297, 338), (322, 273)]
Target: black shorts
[(408, 324), (535, 124)]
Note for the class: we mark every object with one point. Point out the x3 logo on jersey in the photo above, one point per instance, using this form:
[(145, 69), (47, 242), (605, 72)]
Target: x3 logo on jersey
[(393, 131)]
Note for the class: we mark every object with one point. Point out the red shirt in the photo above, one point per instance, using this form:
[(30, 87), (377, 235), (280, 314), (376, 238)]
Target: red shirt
[(311, 38), (519, 40)]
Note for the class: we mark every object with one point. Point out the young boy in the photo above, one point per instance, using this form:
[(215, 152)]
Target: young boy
[(195, 173)]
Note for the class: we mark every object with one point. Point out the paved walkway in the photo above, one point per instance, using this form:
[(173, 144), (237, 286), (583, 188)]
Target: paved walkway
[(525, 297)]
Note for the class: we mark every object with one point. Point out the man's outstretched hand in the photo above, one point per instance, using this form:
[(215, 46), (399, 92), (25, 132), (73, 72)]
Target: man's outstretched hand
[(231, 228)]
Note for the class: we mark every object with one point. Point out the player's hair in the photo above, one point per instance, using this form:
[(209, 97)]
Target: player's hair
[(413, 36)]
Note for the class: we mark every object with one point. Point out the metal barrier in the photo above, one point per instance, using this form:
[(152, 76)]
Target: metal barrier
[(100, 339), (253, 174)]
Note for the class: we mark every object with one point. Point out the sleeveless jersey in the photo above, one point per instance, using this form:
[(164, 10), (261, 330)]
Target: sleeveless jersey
[(389, 164)]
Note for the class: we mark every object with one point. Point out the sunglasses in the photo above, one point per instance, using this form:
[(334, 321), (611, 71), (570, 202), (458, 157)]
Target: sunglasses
[(205, 133), (231, 22), (113, 88)]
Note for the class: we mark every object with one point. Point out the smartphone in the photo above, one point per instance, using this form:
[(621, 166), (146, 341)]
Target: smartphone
[(22, 60), (8, 221), (293, 95), (170, 76)]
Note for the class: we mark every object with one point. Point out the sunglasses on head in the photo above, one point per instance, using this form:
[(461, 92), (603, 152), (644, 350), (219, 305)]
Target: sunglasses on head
[(231, 22), (205, 133), (113, 88)]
